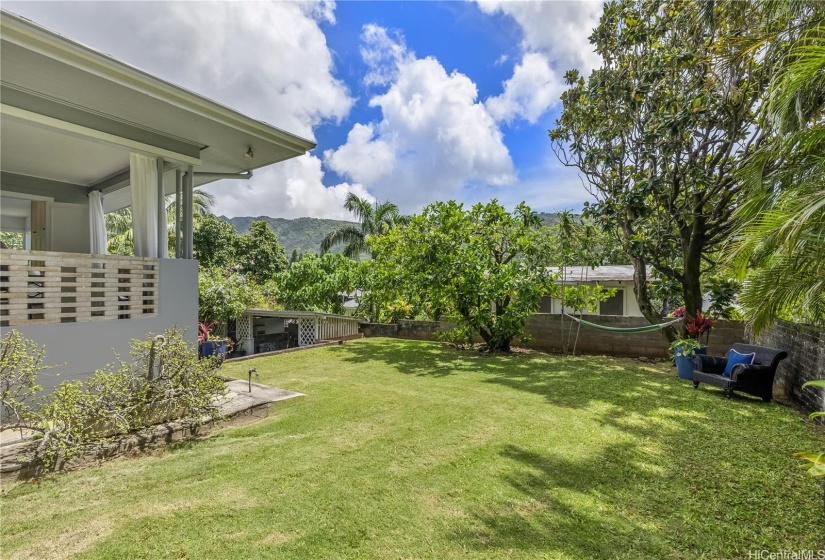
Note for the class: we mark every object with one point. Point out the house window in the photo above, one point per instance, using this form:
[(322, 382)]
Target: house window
[(613, 305), (546, 305)]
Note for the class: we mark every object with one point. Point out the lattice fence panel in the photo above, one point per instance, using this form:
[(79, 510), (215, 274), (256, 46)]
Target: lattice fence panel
[(221, 330), (306, 331), (243, 327)]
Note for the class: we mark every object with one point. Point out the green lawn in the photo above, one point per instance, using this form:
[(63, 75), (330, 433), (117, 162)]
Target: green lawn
[(413, 450)]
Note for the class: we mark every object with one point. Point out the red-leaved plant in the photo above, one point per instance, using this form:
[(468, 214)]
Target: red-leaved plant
[(204, 330), (698, 325)]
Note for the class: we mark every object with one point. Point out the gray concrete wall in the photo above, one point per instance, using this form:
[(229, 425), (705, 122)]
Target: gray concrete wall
[(78, 349), (551, 334), (805, 346)]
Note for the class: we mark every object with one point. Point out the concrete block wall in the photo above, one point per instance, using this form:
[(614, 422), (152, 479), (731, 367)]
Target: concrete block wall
[(551, 332), (806, 361)]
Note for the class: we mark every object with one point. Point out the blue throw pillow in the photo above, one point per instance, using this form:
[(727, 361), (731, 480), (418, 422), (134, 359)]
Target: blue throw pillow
[(735, 358)]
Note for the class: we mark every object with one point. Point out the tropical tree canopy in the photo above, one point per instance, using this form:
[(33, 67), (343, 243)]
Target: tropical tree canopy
[(659, 132), (478, 266), (373, 219), (779, 247), (119, 223), (315, 283)]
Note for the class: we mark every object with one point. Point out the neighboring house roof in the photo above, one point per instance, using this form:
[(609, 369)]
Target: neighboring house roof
[(612, 273), (71, 114)]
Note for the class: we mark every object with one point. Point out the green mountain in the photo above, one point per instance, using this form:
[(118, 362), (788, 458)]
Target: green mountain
[(303, 234)]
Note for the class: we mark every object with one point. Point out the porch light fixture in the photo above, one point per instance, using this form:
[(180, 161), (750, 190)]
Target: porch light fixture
[(249, 154)]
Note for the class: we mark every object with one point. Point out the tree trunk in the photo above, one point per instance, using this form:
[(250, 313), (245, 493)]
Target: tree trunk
[(643, 298), (691, 279)]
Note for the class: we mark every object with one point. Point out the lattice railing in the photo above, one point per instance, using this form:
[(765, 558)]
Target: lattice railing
[(48, 287)]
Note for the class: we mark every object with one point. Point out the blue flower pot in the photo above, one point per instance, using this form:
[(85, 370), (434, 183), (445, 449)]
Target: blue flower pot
[(212, 347), (685, 366)]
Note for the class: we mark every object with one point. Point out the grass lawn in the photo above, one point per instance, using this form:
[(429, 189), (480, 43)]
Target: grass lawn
[(413, 450)]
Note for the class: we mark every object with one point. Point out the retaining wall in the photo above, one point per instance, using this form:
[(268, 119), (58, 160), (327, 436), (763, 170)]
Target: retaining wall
[(806, 361), (552, 332)]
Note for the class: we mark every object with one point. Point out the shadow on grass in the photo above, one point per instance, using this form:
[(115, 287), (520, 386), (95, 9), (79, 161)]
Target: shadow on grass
[(690, 477), (578, 508)]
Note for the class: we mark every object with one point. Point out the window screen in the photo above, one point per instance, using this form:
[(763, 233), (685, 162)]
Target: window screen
[(613, 305)]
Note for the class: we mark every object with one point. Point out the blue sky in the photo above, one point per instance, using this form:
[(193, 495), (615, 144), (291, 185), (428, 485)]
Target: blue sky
[(408, 101)]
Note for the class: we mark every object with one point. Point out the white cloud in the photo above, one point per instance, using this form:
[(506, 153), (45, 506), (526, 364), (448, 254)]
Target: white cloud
[(364, 157), (382, 54), (434, 137), (559, 30), (533, 88), (269, 60), (291, 189), (555, 40)]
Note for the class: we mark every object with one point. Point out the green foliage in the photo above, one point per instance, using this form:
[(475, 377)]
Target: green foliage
[(258, 254), (686, 346), (816, 461), (779, 246), (583, 297), (224, 295), (574, 240), (660, 130), (164, 380), (478, 266), (11, 239), (20, 362), (314, 283), (119, 223), (214, 243), (723, 292)]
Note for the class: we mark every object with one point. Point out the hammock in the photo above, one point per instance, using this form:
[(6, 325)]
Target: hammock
[(646, 328)]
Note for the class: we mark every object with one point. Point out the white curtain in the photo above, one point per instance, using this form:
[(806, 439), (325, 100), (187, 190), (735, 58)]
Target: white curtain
[(98, 242), (143, 175)]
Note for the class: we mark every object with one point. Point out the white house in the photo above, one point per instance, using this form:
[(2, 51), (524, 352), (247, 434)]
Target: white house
[(83, 134), (619, 277)]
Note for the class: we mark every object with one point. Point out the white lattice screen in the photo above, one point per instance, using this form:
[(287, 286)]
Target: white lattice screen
[(221, 330), (306, 331), (243, 327)]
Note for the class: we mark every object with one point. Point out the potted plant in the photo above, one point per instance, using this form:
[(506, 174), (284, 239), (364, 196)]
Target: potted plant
[(685, 348), (210, 345)]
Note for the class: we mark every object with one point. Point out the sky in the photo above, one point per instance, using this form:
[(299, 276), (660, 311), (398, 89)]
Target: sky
[(411, 102)]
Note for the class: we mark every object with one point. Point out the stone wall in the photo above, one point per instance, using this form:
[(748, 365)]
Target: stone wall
[(551, 332), (806, 361)]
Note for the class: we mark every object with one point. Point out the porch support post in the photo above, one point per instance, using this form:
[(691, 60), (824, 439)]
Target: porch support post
[(188, 209), (162, 234), (178, 193)]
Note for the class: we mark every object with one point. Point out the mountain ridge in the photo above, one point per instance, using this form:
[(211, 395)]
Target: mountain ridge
[(305, 234)]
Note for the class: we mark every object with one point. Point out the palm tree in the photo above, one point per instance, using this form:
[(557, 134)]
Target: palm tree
[(374, 219), (119, 223), (780, 246)]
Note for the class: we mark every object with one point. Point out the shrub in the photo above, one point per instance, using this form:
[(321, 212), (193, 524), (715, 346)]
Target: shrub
[(163, 380)]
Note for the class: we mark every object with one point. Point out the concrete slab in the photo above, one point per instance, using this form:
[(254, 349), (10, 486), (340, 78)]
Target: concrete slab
[(239, 398)]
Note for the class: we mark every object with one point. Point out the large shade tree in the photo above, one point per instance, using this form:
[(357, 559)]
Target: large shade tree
[(373, 218), (479, 266), (659, 132)]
